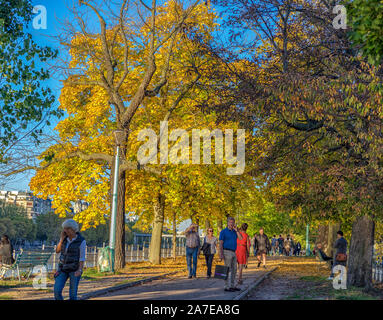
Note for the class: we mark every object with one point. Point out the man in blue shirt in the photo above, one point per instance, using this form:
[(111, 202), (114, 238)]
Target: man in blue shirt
[(227, 246)]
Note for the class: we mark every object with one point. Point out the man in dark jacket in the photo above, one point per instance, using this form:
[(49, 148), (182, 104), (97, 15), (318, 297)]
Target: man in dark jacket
[(262, 244), (340, 247)]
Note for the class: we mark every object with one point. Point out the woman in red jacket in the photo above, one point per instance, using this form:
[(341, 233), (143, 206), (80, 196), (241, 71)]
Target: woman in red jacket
[(243, 250)]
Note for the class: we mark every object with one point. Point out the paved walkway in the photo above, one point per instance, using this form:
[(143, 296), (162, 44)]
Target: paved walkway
[(85, 287), (181, 288), (170, 287)]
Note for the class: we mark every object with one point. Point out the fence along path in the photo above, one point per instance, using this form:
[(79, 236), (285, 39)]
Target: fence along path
[(133, 253), (377, 269)]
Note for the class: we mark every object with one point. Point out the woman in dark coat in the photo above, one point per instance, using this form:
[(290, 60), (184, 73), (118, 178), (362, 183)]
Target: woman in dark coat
[(6, 251)]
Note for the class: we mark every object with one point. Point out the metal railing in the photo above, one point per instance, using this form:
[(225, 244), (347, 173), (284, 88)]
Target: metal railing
[(133, 253), (377, 270)]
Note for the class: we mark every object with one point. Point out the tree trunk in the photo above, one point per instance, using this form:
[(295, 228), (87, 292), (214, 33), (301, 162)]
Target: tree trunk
[(323, 237), (120, 224), (207, 225), (333, 228), (219, 226), (174, 241), (158, 222), (359, 273)]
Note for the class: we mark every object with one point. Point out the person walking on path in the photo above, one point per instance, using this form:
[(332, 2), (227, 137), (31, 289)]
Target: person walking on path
[(340, 252), (274, 243), (211, 250), (227, 247), (192, 249), (243, 249), (6, 251), (298, 248), (72, 249), (263, 245), (280, 244), (287, 245), (292, 245)]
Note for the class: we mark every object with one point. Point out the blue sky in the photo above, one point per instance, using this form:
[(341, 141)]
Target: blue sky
[(56, 11)]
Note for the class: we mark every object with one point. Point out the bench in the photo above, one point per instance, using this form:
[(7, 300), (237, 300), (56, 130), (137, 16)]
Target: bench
[(27, 261)]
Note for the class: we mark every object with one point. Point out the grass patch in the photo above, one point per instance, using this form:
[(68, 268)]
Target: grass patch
[(94, 274), (5, 297), (352, 293), (325, 290), (313, 278), (9, 284)]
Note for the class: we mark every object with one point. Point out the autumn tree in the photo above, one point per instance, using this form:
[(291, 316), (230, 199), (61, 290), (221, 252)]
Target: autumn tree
[(113, 72), (316, 104), (183, 189)]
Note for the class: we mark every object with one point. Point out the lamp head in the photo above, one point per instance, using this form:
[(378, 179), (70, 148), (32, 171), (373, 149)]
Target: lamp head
[(119, 136)]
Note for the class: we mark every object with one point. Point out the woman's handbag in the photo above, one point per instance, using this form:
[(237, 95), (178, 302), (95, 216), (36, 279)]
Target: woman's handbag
[(341, 257), (205, 247)]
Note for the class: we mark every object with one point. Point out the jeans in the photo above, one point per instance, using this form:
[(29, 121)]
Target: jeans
[(60, 281), (192, 253), (209, 263)]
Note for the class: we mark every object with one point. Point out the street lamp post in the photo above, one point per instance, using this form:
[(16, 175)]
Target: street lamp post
[(112, 235)]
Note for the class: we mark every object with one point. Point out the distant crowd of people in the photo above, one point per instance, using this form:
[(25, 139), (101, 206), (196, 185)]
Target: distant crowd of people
[(287, 247), (233, 246)]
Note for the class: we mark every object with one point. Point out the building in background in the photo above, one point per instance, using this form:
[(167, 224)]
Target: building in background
[(79, 206), (33, 205)]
